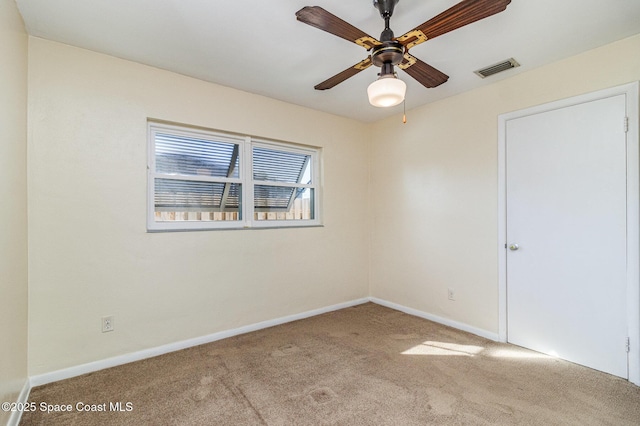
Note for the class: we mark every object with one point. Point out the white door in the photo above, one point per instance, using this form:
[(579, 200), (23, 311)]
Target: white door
[(566, 231)]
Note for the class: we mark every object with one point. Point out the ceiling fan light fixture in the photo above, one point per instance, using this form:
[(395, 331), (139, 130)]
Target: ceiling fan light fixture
[(386, 91)]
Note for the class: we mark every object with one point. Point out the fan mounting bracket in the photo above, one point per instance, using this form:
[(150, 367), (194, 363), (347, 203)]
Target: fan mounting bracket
[(367, 42), (408, 61), (363, 65), (412, 38)]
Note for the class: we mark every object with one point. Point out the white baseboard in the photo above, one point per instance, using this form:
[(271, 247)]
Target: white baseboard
[(90, 367), (451, 323), (23, 397)]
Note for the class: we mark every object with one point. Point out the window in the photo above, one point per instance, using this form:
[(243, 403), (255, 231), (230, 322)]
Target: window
[(209, 180)]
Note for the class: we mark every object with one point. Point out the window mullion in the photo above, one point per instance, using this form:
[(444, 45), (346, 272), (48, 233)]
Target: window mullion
[(247, 194)]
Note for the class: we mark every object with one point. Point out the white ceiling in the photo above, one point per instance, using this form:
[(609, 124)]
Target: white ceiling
[(259, 47)]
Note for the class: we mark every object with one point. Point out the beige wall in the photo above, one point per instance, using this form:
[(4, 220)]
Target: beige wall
[(429, 223), (13, 208), (89, 253), (434, 186)]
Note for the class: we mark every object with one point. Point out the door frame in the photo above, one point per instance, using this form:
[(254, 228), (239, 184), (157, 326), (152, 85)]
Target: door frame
[(631, 91)]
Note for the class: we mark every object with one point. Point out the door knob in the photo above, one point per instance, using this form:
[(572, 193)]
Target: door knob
[(513, 247)]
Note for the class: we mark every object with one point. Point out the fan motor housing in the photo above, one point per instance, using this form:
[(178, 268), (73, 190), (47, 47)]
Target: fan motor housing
[(389, 52)]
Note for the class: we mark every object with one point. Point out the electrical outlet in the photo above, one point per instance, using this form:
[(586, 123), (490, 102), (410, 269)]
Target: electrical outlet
[(451, 294), (107, 324)]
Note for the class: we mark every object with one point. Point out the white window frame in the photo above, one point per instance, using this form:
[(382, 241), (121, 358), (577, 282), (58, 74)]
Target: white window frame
[(245, 179)]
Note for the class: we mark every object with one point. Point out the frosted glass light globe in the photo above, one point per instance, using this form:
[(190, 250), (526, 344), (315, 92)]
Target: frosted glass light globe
[(386, 91)]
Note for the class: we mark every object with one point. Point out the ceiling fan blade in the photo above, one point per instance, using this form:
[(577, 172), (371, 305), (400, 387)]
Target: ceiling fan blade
[(426, 75), (463, 13), (340, 77), (320, 18)]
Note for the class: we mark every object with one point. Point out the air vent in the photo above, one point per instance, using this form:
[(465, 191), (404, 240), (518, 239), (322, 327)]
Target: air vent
[(496, 68)]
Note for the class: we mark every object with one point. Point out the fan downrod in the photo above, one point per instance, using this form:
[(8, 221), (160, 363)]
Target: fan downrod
[(386, 11), (390, 51)]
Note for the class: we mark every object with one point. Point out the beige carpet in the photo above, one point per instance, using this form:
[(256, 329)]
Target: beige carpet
[(366, 365)]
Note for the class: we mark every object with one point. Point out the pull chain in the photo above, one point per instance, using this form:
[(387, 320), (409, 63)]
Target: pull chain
[(404, 111)]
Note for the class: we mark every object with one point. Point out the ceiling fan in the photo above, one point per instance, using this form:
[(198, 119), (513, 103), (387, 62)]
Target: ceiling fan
[(392, 51)]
